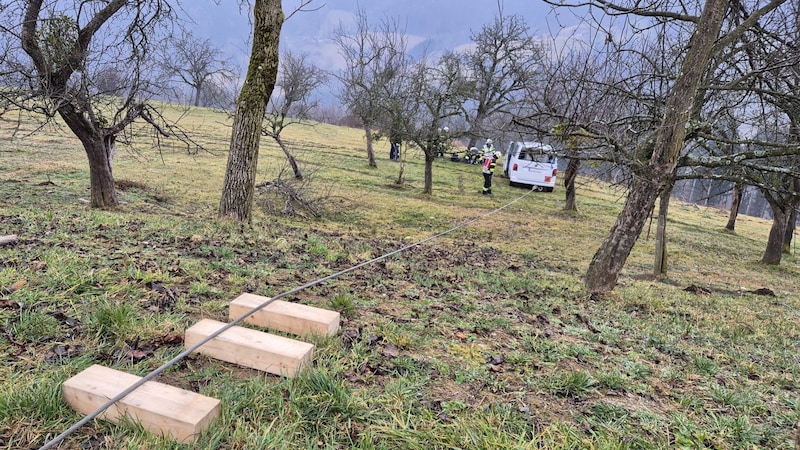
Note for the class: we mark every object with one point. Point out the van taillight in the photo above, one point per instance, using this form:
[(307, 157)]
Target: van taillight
[(514, 167)]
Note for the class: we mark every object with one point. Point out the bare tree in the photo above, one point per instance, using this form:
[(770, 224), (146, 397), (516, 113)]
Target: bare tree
[(683, 117), (62, 48), (196, 63), (667, 144), (239, 186), (571, 139), (757, 89), (331, 114), (501, 66), (775, 58), (782, 202), (599, 100), (736, 203), (373, 58), (434, 95), (109, 80), (297, 81)]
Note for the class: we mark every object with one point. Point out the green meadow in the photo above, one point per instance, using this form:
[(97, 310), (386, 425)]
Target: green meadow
[(482, 338)]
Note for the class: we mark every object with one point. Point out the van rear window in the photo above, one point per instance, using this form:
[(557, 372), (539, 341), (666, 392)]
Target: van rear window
[(533, 155)]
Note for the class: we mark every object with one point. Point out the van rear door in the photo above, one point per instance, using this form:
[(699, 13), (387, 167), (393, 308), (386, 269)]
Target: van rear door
[(532, 164)]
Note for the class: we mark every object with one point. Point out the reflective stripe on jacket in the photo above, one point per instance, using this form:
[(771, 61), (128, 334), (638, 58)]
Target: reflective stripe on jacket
[(489, 164)]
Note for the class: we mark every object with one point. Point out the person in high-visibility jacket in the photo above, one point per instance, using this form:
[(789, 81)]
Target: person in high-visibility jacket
[(488, 149), (488, 170)]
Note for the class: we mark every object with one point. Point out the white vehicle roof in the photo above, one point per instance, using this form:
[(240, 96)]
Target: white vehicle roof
[(531, 144)]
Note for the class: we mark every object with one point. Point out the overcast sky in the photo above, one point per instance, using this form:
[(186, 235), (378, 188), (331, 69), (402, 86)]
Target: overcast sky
[(432, 25), (438, 24)]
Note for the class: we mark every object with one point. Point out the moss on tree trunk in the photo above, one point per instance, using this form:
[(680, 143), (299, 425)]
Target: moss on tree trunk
[(652, 179), (239, 185)]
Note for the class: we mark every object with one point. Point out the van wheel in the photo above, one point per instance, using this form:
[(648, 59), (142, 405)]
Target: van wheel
[(548, 189)]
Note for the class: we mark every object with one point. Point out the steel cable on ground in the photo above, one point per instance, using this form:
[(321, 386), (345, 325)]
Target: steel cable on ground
[(264, 304)]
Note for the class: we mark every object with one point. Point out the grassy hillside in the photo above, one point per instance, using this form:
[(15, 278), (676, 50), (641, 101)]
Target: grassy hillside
[(481, 339)]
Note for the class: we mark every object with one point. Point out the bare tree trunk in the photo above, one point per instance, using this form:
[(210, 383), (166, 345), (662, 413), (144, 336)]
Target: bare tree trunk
[(240, 174), (569, 184), (794, 201), (477, 126), (774, 250), (791, 217), (100, 153), (103, 188), (660, 263), (400, 178), (657, 175), (736, 203), (430, 156), (791, 225), (610, 257), (370, 150), (400, 173), (290, 157), (197, 90)]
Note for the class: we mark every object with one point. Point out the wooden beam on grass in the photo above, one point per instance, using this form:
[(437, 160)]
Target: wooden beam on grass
[(250, 348), (159, 408), (294, 318)]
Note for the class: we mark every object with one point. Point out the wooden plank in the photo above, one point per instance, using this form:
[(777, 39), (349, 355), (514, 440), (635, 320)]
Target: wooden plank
[(159, 408), (302, 320), (251, 348)]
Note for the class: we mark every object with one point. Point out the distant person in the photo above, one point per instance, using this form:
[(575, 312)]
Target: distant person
[(488, 170), (472, 156), (488, 149), (440, 146), (394, 151)]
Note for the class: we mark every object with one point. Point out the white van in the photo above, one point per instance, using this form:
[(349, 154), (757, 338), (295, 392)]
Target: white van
[(532, 165)]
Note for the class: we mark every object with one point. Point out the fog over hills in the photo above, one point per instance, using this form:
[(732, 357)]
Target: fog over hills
[(435, 25)]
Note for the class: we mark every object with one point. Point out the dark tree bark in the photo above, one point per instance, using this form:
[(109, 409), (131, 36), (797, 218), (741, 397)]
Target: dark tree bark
[(65, 79), (781, 203), (791, 225), (653, 178), (297, 79), (774, 250), (569, 184), (99, 152), (794, 201), (660, 262), (54, 84), (736, 203), (370, 148), (430, 156), (240, 174), (290, 157)]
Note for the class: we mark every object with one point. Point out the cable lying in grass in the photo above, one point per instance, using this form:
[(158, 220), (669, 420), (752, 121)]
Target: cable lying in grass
[(244, 316)]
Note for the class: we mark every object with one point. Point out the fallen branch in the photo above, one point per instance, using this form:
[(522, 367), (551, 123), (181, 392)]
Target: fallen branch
[(11, 238), (293, 199)]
